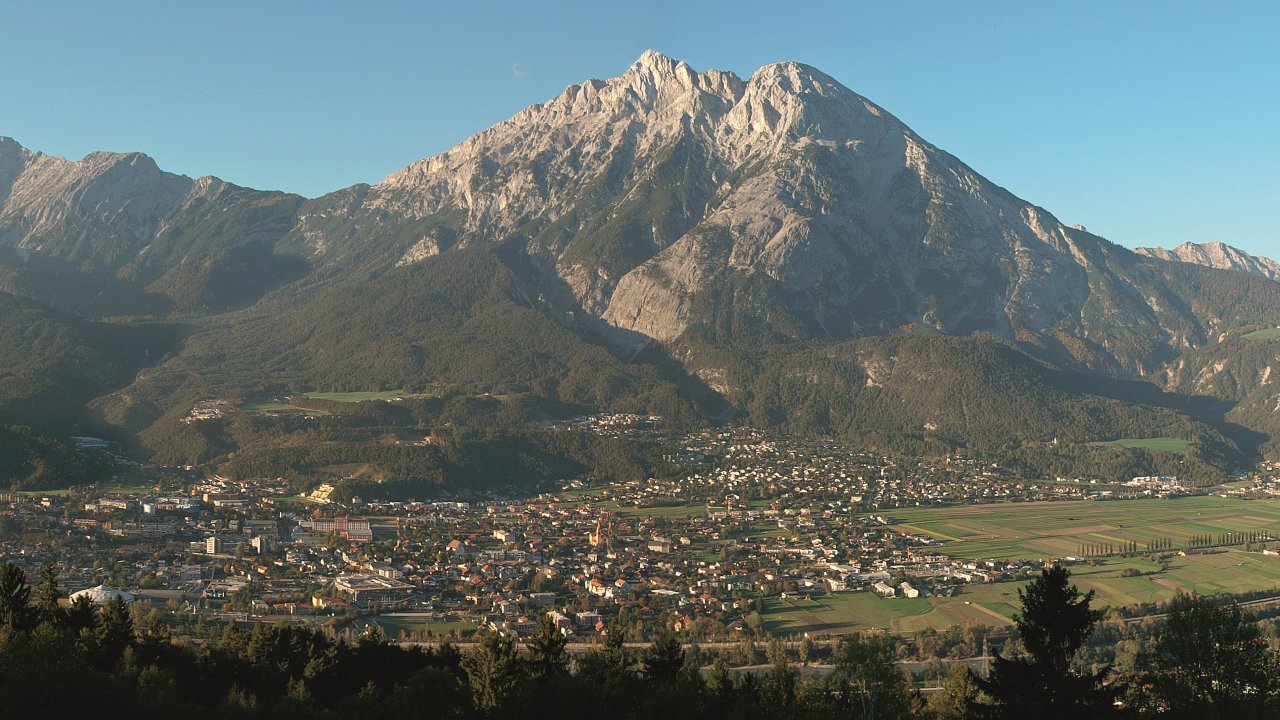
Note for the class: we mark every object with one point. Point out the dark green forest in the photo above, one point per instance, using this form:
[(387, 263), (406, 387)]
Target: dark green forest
[(432, 328)]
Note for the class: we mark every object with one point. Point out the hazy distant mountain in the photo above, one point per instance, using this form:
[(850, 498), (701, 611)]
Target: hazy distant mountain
[(779, 243), (1217, 255)]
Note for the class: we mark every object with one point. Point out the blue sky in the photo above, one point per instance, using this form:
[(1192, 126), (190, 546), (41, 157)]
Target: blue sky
[(1152, 123)]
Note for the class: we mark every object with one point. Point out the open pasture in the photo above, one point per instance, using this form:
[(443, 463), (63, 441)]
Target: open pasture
[(399, 627), (1047, 530), (678, 510), (1264, 334), (1165, 444), (276, 408), (993, 604), (361, 396)]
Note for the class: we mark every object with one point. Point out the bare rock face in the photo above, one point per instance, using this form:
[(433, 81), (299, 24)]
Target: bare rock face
[(14, 159), (638, 193), (655, 206), (1217, 255), (70, 209), (109, 209)]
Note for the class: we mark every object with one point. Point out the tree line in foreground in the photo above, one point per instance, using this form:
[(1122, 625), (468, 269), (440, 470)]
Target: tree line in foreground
[(1208, 661)]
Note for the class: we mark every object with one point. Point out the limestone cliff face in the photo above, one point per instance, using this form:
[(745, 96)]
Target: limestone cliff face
[(70, 209), (639, 197), (1217, 255), (655, 206), (112, 210)]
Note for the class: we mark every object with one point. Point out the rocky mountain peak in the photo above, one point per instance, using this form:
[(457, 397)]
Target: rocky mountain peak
[(13, 160), (643, 191), (579, 135), (11, 148), (1217, 254), (657, 70), (654, 64)]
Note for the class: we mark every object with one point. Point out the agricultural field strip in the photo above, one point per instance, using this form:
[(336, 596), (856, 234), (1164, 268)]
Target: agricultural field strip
[(1165, 444), (1264, 334), (1231, 571), (1020, 525), (358, 396), (935, 533)]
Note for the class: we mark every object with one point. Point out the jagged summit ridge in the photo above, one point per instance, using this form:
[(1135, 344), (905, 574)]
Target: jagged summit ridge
[(638, 194), (664, 96), (1219, 255), (110, 224), (665, 204)]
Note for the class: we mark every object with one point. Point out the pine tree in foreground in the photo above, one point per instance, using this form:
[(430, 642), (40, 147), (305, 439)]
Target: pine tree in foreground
[(1053, 625)]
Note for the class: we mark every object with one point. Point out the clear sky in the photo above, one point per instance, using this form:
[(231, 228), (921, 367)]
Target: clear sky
[(1152, 123)]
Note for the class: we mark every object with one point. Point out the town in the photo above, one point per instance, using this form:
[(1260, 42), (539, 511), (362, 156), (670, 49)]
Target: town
[(744, 527)]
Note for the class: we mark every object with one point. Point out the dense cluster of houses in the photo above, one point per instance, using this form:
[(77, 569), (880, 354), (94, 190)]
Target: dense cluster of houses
[(747, 517)]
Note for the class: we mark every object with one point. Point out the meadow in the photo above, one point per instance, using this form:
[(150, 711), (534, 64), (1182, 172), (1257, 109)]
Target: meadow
[(678, 511), (273, 407), (993, 604), (1164, 444), (268, 407), (394, 625), (361, 396), (1049, 530), (1263, 334)]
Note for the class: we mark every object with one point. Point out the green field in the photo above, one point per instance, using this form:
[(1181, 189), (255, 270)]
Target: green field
[(275, 407), (358, 396), (994, 604), (1047, 530), (269, 406), (1050, 530), (393, 626), (991, 605), (660, 511), (1263, 334), (1165, 444), (679, 510), (55, 492)]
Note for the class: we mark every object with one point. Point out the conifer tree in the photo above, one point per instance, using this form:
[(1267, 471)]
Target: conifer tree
[(1053, 624), (16, 612), (868, 683), (546, 646), (959, 692), (778, 689), (81, 615), (663, 660), (115, 630), (494, 672), (47, 594)]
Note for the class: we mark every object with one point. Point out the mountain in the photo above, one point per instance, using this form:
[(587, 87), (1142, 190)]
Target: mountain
[(112, 234), (639, 201), (690, 243), (51, 364), (1217, 255)]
